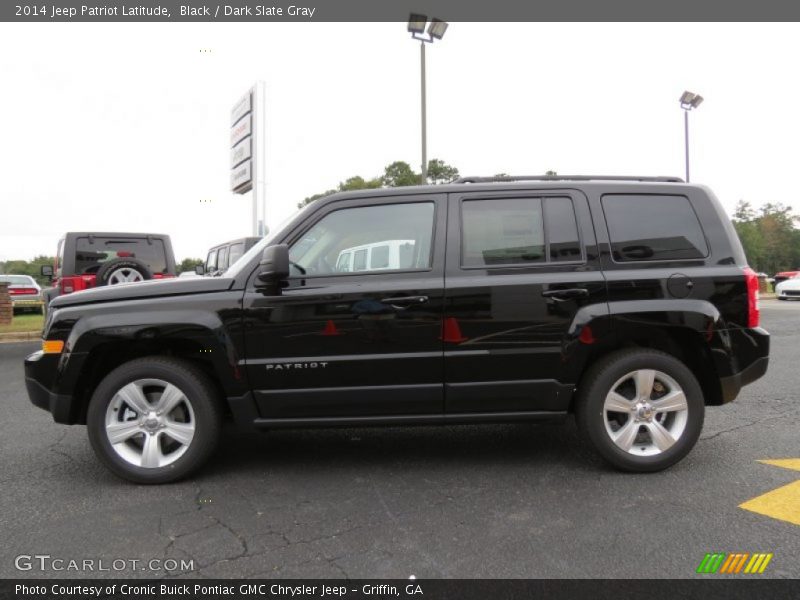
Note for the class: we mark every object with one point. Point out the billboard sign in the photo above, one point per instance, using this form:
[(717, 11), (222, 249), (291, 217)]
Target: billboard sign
[(241, 144)]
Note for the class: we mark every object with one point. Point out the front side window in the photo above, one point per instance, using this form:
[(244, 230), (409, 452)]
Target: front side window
[(378, 238), (92, 252), (653, 227)]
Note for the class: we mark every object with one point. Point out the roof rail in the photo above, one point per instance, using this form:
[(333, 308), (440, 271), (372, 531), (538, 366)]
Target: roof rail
[(566, 178)]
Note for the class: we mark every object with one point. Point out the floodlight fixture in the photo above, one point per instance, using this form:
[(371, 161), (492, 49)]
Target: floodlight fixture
[(437, 29), (416, 24), (690, 100)]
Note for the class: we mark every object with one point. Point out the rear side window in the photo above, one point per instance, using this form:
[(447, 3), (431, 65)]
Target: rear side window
[(519, 231), (91, 253), (653, 227)]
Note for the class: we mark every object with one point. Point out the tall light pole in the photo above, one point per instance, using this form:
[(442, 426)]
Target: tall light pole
[(436, 29), (689, 100)]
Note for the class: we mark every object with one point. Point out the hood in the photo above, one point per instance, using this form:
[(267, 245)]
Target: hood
[(144, 289)]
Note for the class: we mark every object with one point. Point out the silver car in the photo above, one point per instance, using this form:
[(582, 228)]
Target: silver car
[(25, 292)]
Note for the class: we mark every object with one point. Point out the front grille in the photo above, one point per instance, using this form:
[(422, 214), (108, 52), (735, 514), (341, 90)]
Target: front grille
[(791, 293)]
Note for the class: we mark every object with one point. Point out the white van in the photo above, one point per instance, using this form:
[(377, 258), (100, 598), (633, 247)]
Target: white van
[(378, 256)]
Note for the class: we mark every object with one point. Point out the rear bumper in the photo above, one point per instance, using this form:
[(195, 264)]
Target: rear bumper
[(747, 359), (731, 386), (36, 302)]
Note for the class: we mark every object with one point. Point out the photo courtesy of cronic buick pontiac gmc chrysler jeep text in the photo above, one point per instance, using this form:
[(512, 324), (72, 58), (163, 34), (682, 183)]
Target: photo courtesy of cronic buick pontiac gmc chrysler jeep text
[(626, 301)]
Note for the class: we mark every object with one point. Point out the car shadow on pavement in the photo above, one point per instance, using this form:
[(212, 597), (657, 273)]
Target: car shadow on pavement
[(483, 446)]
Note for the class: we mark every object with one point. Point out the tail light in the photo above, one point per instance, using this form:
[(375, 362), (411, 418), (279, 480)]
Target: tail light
[(753, 314), (14, 291), (67, 285)]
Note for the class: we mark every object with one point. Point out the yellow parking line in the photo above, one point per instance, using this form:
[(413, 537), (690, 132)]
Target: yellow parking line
[(782, 503)]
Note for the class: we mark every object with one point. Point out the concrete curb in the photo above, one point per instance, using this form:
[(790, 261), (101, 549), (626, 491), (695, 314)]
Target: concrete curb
[(20, 336)]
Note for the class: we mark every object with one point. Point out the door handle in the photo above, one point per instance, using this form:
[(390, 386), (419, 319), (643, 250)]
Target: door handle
[(566, 294), (403, 302)]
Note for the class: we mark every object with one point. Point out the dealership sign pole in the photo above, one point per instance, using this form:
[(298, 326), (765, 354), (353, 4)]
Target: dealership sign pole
[(247, 151)]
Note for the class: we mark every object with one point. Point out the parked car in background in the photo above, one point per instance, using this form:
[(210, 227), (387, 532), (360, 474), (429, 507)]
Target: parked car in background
[(25, 292), (784, 275), (89, 259), (222, 256), (789, 289)]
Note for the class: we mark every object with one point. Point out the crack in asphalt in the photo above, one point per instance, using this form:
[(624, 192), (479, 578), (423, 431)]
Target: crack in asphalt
[(750, 424)]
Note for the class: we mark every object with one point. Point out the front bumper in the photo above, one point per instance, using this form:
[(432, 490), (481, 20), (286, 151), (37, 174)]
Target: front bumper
[(40, 373)]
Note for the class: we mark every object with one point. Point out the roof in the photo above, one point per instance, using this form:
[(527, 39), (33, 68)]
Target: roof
[(479, 184)]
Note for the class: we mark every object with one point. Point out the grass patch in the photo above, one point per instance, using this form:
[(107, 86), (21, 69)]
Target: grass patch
[(24, 322)]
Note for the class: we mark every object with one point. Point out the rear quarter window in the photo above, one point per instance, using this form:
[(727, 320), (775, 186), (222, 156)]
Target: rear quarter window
[(649, 227)]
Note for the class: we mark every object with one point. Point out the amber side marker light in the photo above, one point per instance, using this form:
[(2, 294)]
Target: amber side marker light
[(52, 346)]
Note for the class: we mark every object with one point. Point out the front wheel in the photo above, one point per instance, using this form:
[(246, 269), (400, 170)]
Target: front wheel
[(154, 420), (642, 410)]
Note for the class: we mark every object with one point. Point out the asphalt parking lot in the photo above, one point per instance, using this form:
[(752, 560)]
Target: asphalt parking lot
[(500, 501)]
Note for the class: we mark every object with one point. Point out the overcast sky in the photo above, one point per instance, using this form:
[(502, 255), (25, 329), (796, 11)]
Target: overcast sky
[(125, 127)]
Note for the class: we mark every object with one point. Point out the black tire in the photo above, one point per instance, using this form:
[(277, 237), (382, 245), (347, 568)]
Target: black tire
[(198, 391), (105, 272), (598, 382), (782, 298)]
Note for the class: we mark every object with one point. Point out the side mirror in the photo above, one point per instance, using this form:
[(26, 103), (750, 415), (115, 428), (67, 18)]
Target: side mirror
[(274, 265), (47, 271), (200, 270)]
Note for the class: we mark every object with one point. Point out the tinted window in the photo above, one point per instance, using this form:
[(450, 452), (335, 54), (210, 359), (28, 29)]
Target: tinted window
[(653, 227), (91, 253), (359, 231), (562, 229), (502, 231)]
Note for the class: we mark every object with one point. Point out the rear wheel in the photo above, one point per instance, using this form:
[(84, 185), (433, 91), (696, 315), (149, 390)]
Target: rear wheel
[(154, 420), (642, 410)]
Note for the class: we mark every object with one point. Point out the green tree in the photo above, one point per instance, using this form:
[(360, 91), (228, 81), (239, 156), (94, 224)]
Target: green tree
[(770, 239), (440, 172), (188, 264), (399, 174)]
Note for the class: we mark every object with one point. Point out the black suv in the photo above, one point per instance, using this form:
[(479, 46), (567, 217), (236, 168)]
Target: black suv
[(627, 302), (86, 259)]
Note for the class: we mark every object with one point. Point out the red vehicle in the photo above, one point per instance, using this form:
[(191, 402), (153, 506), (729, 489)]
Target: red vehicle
[(784, 275), (85, 260)]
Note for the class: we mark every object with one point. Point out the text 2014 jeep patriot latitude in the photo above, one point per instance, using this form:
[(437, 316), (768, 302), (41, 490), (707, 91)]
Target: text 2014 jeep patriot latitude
[(626, 301)]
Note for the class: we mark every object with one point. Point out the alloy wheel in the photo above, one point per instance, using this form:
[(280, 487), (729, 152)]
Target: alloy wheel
[(645, 412), (150, 423)]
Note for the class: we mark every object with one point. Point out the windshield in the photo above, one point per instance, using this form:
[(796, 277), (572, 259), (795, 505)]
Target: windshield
[(256, 250)]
